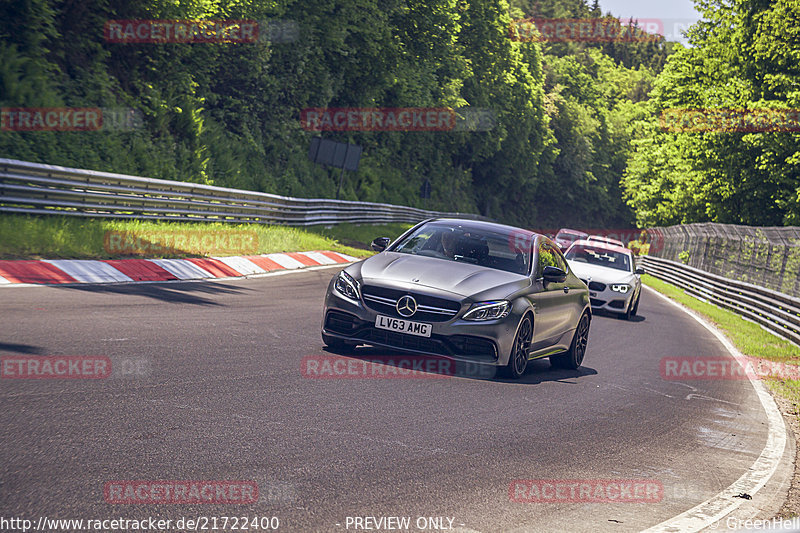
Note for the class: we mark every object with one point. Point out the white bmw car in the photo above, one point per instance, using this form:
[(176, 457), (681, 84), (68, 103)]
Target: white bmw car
[(610, 273)]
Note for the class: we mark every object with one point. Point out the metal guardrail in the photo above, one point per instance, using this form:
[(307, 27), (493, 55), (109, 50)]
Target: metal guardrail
[(775, 311), (53, 190)]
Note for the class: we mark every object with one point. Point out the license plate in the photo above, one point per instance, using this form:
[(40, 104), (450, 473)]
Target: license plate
[(400, 325)]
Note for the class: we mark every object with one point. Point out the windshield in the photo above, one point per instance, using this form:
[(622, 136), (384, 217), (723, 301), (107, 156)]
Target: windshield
[(600, 257), (465, 244)]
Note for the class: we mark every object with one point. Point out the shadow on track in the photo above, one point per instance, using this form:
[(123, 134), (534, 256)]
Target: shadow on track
[(185, 292), (616, 316), (440, 367), (540, 371), (20, 348)]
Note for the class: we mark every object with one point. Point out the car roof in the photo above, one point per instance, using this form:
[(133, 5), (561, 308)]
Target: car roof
[(481, 224), (602, 245), (602, 238), (573, 231)]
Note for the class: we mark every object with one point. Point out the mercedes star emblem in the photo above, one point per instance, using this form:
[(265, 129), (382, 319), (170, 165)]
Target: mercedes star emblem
[(406, 306)]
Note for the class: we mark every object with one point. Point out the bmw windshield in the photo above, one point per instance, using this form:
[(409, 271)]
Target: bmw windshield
[(599, 257)]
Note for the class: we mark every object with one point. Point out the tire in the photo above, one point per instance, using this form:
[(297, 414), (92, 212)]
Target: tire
[(518, 359), (627, 314), (632, 308), (636, 305), (572, 358), (337, 345)]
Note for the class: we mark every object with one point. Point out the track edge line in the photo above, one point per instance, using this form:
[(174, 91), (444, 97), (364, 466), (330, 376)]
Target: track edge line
[(717, 507)]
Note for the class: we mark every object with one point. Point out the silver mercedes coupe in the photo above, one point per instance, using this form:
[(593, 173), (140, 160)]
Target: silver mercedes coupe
[(469, 290)]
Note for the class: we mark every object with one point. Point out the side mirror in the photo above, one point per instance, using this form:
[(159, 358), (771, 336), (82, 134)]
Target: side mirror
[(380, 244), (640, 270), (553, 274)]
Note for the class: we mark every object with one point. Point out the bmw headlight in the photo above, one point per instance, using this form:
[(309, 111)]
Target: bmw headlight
[(488, 310), (347, 286), (621, 288)]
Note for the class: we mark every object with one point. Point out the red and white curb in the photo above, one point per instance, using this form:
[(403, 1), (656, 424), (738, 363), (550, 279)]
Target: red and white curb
[(56, 271)]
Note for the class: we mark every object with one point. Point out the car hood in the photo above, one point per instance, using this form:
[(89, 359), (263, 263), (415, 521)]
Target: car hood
[(600, 273), (463, 279)]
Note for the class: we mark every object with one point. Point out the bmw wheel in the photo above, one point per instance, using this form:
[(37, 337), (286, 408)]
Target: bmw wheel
[(632, 308)]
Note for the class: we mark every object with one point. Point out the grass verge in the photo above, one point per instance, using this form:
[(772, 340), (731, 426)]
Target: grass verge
[(62, 237), (360, 236)]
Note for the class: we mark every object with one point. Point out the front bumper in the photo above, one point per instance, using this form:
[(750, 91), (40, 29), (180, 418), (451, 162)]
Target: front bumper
[(612, 301), (486, 342)]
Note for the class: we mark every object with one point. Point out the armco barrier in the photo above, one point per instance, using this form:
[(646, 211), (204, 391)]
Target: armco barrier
[(775, 311), (52, 190)]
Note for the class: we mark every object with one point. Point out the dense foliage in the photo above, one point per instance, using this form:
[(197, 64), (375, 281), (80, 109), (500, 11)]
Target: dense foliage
[(745, 55), (228, 114)]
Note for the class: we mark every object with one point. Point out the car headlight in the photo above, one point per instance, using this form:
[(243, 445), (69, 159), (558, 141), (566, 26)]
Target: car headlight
[(488, 310), (621, 288), (347, 286)]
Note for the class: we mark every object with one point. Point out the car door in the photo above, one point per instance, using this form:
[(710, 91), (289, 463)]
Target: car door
[(552, 301), (573, 299)]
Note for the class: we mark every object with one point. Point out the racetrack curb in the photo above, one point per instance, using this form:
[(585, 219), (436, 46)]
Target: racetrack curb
[(68, 271)]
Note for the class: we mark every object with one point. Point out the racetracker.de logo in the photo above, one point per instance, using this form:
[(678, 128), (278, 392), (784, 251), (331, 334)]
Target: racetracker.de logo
[(193, 242), (378, 119), (55, 367), (640, 241), (181, 31), (180, 492), (724, 368), (401, 367), (586, 491), (50, 119), (520, 241), (69, 119), (563, 30), (721, 120)]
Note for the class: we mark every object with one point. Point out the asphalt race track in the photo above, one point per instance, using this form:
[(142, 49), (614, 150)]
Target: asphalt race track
[(214, 391)]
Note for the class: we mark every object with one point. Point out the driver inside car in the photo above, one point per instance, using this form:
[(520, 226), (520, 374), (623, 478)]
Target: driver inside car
[(448, 241)]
